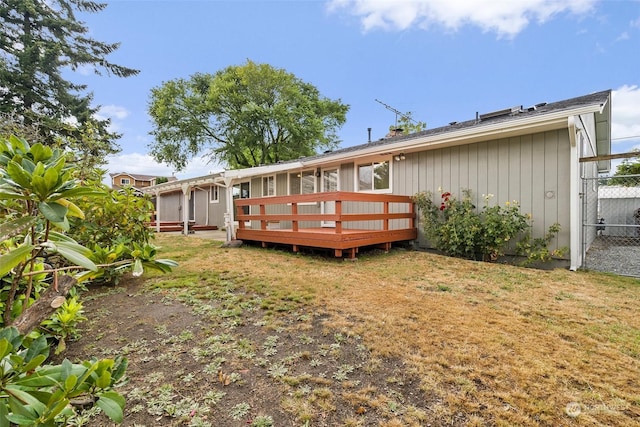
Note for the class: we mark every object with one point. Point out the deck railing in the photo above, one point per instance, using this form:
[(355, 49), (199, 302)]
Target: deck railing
[(339, 217), (356, 220)]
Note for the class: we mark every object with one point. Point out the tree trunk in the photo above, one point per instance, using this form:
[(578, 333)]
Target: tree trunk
[(44, 306)]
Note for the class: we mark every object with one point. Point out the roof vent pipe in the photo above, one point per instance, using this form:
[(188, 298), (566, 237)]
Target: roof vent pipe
[(369, 132)]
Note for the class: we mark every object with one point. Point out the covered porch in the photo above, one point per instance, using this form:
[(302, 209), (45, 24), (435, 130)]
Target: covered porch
[(341, 221)]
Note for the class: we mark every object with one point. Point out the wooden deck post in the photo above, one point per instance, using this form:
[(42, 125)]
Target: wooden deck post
[(339, 214), (294, 211), (385, 222), (263, 211), (239, 212), (412, 211)]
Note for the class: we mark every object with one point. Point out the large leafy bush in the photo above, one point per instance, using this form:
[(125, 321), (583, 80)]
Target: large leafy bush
[(458, 228), (39, 206)]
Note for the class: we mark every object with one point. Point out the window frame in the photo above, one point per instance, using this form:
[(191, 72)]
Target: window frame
[(268, 178), (214, 190), (372, 162), (294, 175), (125, 181)]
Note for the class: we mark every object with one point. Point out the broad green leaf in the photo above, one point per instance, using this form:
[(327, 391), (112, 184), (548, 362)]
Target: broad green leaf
[(31, 403), (60, 237), (51, 177), (4, 411), (54, 212), (16, 226), (120, 368), (38, 347), (70, 382), (34, 363), (5, 347), (41, 152), (21, 420), (76, 254), (37, 381), (73, 209), (77, 192), (19, 175), (104, 381), (28, 165), (14, 257), (9, 194), (64, 225), (52, 412), (112, 404), (39, 187), (19, 144)]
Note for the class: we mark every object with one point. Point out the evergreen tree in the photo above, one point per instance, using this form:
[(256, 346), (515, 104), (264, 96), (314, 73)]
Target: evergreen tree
[(39, 39)]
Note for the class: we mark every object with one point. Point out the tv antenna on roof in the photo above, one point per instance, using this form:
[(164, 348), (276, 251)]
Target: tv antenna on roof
[(398, 113)]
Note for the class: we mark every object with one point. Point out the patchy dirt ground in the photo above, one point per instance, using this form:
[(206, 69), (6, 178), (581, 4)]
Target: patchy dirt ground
[(223, 361), (263, 337)]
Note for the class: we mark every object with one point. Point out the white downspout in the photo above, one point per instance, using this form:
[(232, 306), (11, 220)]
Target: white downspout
[(574, 199)]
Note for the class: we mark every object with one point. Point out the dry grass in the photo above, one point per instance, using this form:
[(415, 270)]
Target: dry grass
[(502, 345)]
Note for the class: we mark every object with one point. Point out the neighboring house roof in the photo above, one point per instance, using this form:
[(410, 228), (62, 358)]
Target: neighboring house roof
[(139, 177)]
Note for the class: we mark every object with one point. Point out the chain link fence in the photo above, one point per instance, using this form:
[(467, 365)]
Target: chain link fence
[(611, 224)]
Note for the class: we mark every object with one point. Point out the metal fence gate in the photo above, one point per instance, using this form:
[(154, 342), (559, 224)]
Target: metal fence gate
[(611, 224)]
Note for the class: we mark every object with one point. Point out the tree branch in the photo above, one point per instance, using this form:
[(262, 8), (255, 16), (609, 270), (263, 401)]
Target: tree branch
[(44, 306)]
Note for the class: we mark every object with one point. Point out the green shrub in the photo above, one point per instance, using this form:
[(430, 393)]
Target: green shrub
[(33, 394), (457, 228)]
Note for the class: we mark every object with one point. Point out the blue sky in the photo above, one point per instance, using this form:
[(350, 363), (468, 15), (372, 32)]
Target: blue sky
[(441, 60)]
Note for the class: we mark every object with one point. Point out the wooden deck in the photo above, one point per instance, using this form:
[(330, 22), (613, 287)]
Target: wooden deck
[(388, 219)]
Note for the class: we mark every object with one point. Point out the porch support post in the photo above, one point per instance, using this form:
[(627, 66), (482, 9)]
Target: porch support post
[(575, 217), (185, 209), (157, 211), (230, 215)]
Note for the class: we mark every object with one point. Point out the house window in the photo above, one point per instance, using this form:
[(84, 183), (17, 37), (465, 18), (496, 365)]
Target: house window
[(303, 182), (214, 194), (268, 186), (125, 181), (374, 176)]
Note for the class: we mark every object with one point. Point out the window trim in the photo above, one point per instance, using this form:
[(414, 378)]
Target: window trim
[(214, 189), (300, 172), (268, 177), (370, 162), (125, 181)]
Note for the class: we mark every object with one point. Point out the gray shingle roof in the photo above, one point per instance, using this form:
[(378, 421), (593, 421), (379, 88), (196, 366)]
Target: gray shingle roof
[(597, 98)]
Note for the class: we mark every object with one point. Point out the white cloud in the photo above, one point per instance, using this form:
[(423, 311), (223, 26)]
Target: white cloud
[(623, 36), (112, 112), (505, 17), (625, 115), (116, 113), (144, 164)]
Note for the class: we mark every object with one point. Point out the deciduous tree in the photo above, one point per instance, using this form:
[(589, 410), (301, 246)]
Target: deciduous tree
[(242, 116)]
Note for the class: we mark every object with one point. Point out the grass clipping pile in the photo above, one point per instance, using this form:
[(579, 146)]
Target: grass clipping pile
[(260, 337)]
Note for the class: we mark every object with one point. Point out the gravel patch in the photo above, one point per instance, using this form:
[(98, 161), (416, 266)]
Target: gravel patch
[(619, 256)]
